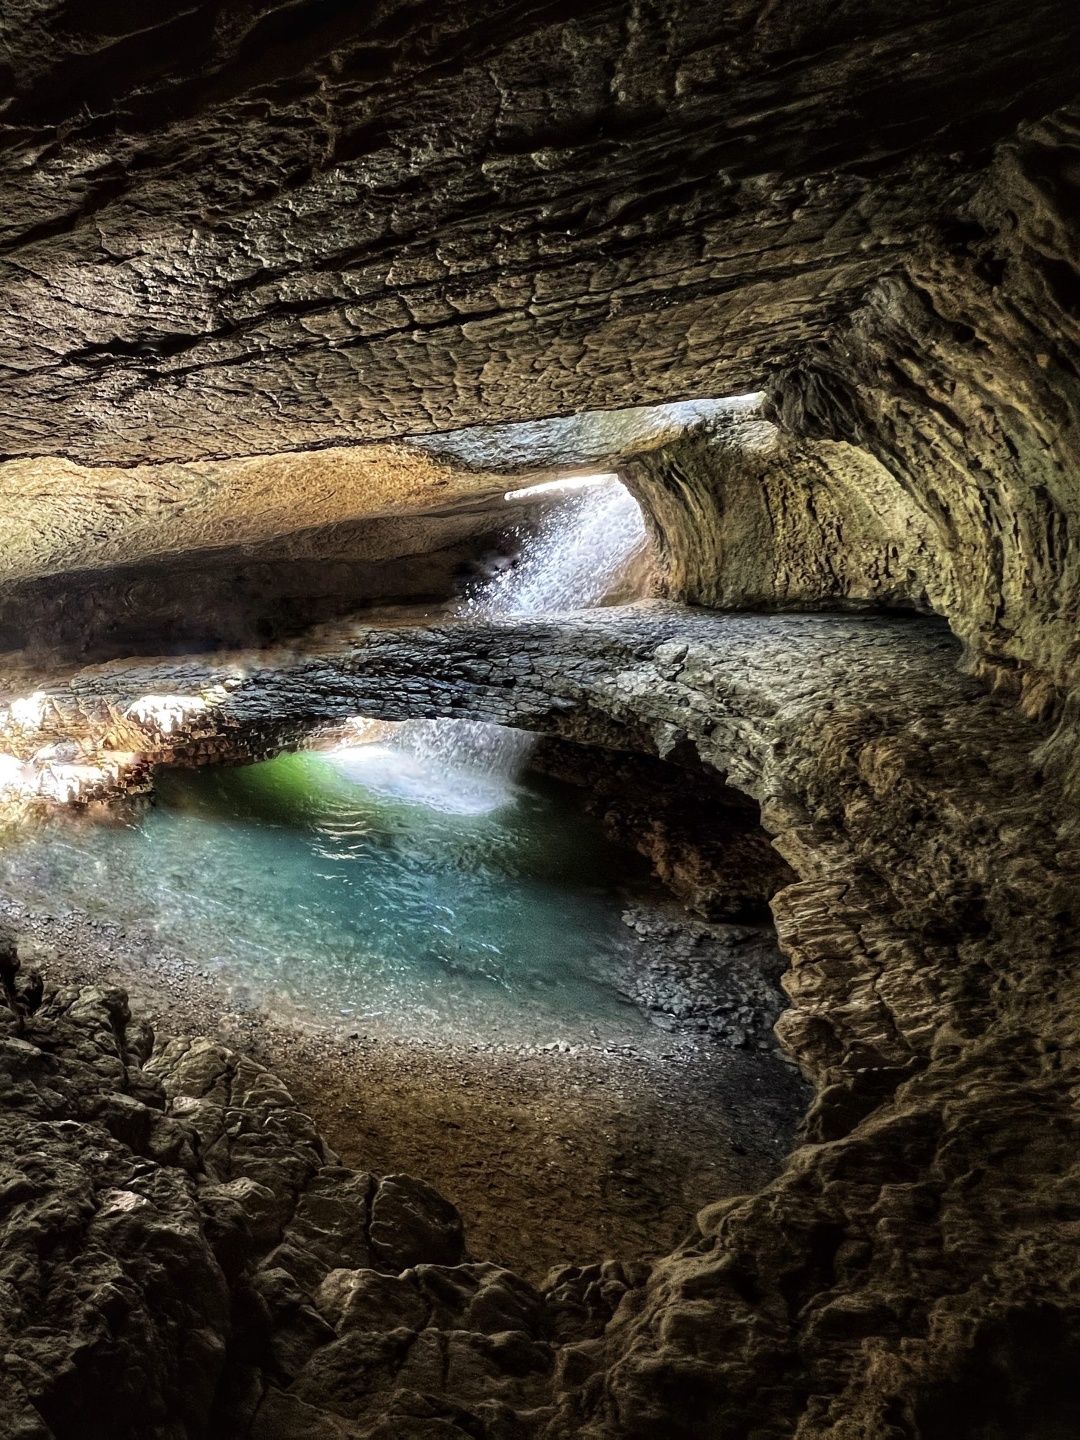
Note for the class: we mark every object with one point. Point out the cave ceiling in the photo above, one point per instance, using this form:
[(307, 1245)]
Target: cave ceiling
[(242, 228)]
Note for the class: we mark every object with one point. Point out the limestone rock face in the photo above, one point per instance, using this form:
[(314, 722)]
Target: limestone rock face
[(978, 426), (925, 450), (102, 561), (703, 839), (231, 596), (115, 1310), (956, 389), (241, 245), (747, 517)]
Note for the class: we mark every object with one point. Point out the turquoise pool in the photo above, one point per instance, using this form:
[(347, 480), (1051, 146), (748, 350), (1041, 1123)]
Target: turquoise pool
[(308, 886)]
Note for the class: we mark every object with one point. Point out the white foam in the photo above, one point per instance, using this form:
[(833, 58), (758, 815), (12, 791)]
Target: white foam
[(395, 773), (573, 560)]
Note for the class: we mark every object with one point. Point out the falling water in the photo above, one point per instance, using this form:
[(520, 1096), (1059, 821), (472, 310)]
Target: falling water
[(408, 879), (577, 554), (458, 767)]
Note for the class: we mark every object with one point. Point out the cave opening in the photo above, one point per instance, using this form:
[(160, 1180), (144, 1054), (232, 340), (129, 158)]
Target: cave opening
[(237, 554)]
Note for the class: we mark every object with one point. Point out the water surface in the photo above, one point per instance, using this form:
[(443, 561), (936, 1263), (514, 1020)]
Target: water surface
[(307, 891)]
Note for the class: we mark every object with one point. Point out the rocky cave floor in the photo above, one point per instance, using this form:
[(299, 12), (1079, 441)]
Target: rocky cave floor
[(553, 1152)]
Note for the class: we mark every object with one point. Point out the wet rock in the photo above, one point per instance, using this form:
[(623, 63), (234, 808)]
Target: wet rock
[(116, 1309), (718, 981), (702, 838)]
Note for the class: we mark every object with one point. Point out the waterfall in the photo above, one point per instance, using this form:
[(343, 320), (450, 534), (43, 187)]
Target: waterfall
[(577, 554), (459, 767)]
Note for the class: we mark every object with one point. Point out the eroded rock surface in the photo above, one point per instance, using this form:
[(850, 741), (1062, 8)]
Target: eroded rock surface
[(246, 229), (181, 1254), (263, 266), (106, 560), (703, 838), (926, 449), (913, 1266), (242, 245)]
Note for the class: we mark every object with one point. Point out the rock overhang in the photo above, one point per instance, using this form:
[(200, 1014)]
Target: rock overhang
[(226, 226), (60, 517), (271, 272)]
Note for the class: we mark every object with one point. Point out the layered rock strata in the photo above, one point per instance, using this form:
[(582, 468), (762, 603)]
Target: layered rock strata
[(243, 595), (911, 1271), (107, 560), (232, 231), (926, 446), (261, 270)]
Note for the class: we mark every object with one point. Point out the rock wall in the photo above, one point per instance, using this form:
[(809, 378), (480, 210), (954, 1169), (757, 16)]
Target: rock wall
[(703, 839), (963, 381), (744, 516), (101, 560), (926, 448), (236, 596), (309, 231)]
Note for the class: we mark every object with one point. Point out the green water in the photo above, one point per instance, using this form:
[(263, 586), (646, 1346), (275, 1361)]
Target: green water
[(305, 891)]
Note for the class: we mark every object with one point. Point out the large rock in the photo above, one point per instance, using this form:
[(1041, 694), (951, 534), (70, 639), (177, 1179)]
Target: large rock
[(182, 1256)]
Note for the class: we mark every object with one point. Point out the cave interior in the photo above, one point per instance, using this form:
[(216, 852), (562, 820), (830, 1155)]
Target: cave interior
[(320, 323)]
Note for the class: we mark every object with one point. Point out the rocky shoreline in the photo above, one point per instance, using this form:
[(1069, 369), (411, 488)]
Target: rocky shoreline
[(606, 1150)]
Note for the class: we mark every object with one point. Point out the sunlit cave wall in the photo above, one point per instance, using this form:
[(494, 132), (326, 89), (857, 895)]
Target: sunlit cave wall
[(100, 561), (250, 595), (744, 516), (926, 453), (962, 379)]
